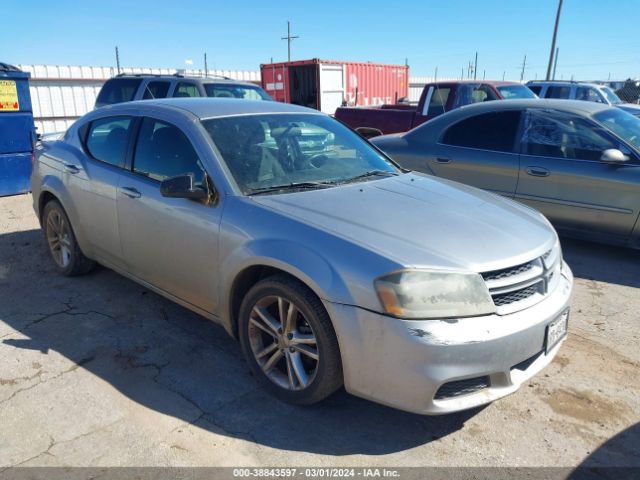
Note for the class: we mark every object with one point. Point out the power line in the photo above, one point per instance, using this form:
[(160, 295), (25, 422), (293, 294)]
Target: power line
[(289, 38), (553, 41)]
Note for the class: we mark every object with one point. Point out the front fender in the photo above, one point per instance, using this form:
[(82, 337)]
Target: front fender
[(291, 257)]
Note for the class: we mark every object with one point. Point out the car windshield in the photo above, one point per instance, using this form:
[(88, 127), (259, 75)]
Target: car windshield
[(276, 152), (229, 90), (509, 92), (611, 96), (623, 124)]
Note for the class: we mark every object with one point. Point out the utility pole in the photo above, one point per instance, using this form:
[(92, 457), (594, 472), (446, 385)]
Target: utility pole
[(553, 40), (524, 65), (289, 38), (117, 60), (462, 74), (503, 74), (206, 69), (435, 78), (555, 63), (475, 67), (484, 74)]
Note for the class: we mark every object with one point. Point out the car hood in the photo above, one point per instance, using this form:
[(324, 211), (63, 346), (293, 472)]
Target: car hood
[(422, 221)]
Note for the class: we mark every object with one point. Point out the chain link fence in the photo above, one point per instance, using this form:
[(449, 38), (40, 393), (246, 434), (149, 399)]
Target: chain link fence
[(630, 91)]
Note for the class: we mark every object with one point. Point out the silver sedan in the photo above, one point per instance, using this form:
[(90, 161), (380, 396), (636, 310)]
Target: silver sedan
[(331, 266), (576, 162)]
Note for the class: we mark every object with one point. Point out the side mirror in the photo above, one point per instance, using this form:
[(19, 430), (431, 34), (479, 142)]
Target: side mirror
[(614, 156), (182, 187)]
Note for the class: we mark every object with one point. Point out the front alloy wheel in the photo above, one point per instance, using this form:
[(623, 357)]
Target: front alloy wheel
[(289, 342), (283, 343)]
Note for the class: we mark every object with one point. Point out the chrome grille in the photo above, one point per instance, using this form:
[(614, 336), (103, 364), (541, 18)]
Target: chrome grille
[(522, 285), (507, 272)]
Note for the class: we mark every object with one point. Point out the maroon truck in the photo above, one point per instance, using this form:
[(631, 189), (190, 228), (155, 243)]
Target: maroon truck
[(436, 99)]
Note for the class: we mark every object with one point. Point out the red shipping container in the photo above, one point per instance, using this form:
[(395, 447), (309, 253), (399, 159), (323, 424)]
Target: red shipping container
[(327, 84)]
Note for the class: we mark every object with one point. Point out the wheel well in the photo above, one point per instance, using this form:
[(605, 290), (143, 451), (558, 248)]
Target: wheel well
[(243, 283), (45, 198)]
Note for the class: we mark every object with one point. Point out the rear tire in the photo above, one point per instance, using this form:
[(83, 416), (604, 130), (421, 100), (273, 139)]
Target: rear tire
[(63, 247), (289, 342)]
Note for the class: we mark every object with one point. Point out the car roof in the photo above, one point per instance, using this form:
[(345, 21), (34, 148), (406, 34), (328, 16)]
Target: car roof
[(214, 79), (214, 107), (564, 82), (518, 104), (495, 83)]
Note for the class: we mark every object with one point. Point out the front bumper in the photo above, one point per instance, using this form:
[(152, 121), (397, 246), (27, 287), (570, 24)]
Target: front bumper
[(404, 363)]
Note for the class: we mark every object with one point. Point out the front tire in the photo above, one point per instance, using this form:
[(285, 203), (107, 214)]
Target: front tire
[(63, 247), (289, 342)]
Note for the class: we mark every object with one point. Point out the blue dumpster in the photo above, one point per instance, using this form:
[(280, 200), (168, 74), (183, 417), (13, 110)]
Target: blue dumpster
[(17, 131)]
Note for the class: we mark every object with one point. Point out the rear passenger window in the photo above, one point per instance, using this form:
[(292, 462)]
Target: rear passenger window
[(535, 89), (118, 90), (107, 139), (490, 131), (164, 151), (186, 90), (155, 90), (558, 92)]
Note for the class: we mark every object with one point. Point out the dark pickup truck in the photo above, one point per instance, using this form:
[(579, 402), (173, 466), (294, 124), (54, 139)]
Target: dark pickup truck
[(436, 99)]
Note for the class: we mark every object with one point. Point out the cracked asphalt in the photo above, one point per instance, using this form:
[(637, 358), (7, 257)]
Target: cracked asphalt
[(98, 371)]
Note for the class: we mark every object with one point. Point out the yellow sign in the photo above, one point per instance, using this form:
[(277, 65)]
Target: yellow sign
[(8, 96)]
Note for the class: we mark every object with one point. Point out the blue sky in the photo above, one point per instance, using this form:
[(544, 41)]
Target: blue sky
[(596, 38)]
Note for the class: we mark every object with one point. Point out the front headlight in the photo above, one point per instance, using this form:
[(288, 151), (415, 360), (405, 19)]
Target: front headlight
[(433, 294)]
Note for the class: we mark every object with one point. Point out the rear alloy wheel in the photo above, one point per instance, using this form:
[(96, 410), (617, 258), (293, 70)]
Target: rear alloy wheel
[(289, 341), (65, 251)]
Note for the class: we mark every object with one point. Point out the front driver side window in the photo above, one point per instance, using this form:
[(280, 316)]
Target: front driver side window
[(164, 151), (548, 133)]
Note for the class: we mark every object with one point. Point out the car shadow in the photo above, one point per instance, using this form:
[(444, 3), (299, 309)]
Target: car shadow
[(617, 458), (604, 263), (177, 363)]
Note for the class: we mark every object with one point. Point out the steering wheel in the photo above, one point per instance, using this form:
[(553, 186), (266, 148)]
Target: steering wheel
[(317, 160)]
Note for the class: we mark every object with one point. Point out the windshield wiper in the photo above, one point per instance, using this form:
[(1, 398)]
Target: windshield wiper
[(290, 186), (371, 173)]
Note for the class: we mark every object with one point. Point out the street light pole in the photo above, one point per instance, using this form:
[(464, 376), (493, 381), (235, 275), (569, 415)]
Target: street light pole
[(553, 41)]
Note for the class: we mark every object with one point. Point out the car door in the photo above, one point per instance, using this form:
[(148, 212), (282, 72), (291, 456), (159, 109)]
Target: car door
[(480, 151), (562, 176), (93, 184), (171, 243)]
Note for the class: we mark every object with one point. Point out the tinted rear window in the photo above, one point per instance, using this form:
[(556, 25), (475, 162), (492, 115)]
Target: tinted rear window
[(536, 89), (490, 131), (156, 89), (118, 90), (107, 139), (558, 92)]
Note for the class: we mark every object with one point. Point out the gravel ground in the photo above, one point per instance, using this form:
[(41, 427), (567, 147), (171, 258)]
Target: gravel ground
[(98, 371)]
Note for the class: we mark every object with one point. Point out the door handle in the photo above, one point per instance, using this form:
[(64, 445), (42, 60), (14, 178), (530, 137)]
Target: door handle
[(443, 160), (71, 168), (538, 171), (131, 192)]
